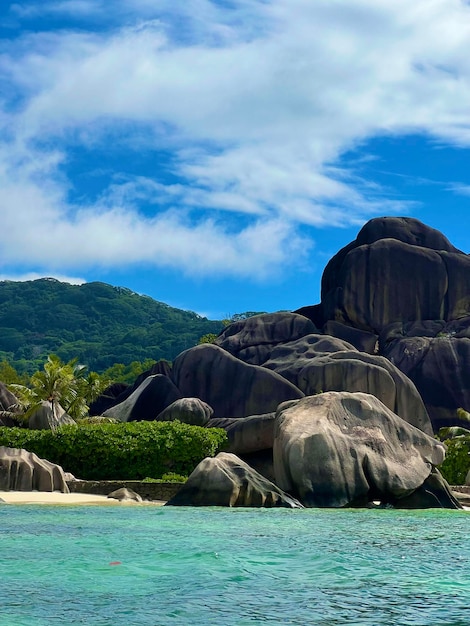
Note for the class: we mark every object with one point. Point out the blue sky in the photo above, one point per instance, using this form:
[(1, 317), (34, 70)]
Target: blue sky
[(215, 154)]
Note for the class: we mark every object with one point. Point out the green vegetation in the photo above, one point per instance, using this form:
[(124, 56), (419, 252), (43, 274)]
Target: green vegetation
[(66, 384), (457, 462), (170, 477), (120, 373), (95, 323), (128, 451)]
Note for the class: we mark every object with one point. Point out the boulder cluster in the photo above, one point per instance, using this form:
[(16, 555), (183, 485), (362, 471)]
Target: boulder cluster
[(334, 404)]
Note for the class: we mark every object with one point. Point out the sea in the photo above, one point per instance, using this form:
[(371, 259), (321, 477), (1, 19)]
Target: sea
[(178, 566)]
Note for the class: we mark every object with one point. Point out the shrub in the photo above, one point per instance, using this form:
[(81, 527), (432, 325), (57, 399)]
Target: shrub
[(169, 477), (125, 451), (457, 462)]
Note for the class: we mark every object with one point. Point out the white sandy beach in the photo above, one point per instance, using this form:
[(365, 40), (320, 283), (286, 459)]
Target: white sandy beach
[(55, 497)]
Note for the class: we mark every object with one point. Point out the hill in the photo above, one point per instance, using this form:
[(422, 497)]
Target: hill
[(95, 322)]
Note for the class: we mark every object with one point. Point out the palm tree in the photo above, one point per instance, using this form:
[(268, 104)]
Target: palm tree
[(60, 384)]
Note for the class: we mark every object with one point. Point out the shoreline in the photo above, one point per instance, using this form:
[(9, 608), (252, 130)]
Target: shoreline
[(56, 497)]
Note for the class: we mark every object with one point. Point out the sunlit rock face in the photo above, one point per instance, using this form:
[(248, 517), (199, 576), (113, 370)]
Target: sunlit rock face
[(341, 449), (226, 480), (21, 470), (150, 398)]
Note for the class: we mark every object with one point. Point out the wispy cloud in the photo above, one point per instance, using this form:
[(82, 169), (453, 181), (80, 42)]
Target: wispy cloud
[(256, 103), (459, 189)]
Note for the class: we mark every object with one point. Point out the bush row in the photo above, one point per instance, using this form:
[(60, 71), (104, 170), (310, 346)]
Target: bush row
[(125, 451)]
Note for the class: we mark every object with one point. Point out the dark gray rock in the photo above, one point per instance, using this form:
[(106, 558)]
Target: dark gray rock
[(398, 269), (309, 365), (24, 471), (49, 416), (8, 401), (145, 403), (247, 434), (232, 388), (361, 340), (342, 449), (252, 339), (438, 366), (9, 407), (434, 493), (111, 396), (187, 410), (405, 229), (227, 481), (118, 392)]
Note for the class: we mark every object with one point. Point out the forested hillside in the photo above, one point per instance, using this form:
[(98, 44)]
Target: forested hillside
[(95, 322)]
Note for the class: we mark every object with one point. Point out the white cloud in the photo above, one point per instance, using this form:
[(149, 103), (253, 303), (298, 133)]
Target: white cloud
[(460, 189), (257, 104), (63, 278)]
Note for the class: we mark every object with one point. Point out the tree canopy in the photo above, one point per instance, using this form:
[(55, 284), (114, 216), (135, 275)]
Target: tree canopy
[(95, 323)]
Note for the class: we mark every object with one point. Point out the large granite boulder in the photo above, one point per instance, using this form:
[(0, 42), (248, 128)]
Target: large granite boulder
[(342, 449), (227, 481), (153, 395), (8, 401), (187, 410), (118, 392), (49, 416), (252, 339), (434, 493), (123, 494), (230, 386), (247, 434), (362, 340), (24, 471), (439, 368), (312, 364), (398, 269), (9, 406)]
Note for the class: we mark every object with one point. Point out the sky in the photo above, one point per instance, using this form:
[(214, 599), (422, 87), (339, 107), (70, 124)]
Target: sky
[(215, 154)]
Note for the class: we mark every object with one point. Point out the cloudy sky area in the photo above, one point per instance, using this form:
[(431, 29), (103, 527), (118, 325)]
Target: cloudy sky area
[(215, 154)]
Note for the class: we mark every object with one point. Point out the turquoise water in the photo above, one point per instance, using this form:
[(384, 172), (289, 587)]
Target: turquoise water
[(124, 565)]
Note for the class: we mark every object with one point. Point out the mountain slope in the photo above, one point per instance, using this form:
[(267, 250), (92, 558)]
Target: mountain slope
[(95, 322)]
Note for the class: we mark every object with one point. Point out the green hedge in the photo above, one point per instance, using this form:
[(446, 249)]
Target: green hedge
[(457, 462), (127, 451)]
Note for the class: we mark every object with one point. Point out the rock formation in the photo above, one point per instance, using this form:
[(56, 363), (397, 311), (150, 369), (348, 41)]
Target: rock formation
[(187, 410), (152, 396), (125, 495), (347, 449), (9, 406), (403, 283), (24, 471), (333, 400), (227, 481), (49, 416), (252, 339), (230, 386)]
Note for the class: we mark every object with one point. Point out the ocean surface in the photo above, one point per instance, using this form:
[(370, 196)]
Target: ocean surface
[(146, 565)]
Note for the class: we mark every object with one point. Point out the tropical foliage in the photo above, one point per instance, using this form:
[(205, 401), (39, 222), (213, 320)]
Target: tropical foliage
[(125, 451), (96, 323), (67, 384), (457, 462)]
